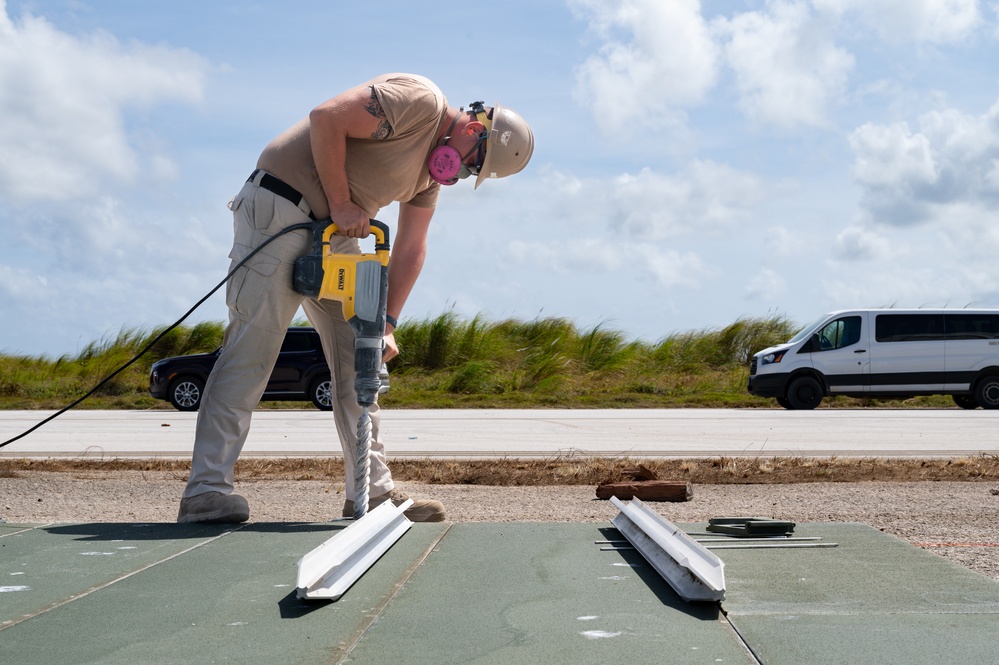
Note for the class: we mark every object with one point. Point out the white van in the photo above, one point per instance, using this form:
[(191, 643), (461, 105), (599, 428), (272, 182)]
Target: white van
[(885, 353)]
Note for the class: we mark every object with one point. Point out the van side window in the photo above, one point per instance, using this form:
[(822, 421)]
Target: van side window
[(840, 333), (972, 326), (909, 327)]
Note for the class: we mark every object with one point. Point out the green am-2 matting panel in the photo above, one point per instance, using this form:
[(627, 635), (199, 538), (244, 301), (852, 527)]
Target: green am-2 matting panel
[(872, 599), (476, 593)]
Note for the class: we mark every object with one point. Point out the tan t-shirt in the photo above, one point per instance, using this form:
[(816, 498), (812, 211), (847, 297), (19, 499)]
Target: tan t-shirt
[(380, 171)]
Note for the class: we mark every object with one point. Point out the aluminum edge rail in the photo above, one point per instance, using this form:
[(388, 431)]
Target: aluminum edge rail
[(329, 570), (694, 573)]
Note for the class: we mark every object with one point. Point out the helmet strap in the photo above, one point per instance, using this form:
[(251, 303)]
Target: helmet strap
[(479, 109)]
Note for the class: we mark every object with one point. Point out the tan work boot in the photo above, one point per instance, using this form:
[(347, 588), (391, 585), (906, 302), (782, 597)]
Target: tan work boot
[(422, 510), (214, 508)]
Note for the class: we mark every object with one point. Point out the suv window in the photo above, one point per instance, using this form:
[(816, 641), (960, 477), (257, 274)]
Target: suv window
[(840, 333), (972, 326), (296, 342), (909, 327)]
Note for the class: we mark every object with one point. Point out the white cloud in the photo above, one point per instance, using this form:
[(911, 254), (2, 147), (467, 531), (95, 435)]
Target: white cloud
[(705, 197), (950, 162), (670, 268), (781, 242), (63, 101), (787, 66), (645, 226), (950, 263), (576, 254), (78, 136), (594, 254), (21, 283), (935, 21), (766, 285), (631, 263), (856, 243), (891, 155), (656, 58)]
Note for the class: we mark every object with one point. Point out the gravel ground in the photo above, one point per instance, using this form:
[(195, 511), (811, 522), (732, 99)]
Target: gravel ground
[(956, 520)]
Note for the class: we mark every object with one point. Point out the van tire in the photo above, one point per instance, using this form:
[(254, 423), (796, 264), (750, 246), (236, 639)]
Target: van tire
[(987, 392), (806, 393), (965, 401)]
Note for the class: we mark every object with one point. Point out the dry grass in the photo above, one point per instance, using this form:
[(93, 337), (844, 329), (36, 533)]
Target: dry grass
[(567, 470)]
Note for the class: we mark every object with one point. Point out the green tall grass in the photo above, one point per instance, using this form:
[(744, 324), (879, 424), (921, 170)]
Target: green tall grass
[(41, 383), (447, 361)]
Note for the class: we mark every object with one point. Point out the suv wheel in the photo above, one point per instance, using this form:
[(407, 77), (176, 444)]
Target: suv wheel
[(321, 393), (185, 393)]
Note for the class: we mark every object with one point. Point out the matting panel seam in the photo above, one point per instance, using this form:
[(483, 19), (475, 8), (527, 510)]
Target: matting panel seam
[(108, 583), (738, 635), (342, 653), (26, 529)]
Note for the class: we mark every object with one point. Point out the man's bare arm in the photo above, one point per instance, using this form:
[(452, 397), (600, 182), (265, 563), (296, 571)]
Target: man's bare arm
[(355, 113), (409, 249), (374, 107)]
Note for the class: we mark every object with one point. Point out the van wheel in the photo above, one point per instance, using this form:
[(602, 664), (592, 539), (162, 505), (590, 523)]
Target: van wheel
[(987, 392), (965, 401), (804, 393)]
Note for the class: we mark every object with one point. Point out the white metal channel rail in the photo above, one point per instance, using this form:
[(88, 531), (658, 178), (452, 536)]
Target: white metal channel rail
[(464, 433)]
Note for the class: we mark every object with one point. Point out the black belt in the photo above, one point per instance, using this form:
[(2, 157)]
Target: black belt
[(282, 189)]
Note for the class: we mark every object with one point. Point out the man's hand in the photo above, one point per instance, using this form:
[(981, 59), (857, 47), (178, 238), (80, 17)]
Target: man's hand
[(350, 220), (391, 350)]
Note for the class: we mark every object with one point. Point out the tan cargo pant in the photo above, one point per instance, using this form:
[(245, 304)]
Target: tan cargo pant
[(262, 304)]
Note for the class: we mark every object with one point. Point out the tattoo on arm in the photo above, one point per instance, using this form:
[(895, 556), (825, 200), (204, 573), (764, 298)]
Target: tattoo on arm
[(374, 107)]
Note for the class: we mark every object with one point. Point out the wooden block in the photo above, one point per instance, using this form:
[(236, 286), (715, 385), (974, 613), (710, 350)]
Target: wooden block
[(640, 472), (647, 490)]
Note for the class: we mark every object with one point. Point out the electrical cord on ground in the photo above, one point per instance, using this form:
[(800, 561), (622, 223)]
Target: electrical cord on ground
[(293, 227)]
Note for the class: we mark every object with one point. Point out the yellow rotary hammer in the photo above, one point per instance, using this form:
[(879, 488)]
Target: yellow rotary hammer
[(360, 283)]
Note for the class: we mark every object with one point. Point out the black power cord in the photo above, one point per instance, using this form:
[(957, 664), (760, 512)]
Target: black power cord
[(293, 227)]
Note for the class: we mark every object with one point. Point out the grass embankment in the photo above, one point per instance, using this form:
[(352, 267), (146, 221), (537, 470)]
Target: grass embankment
[(448, 362)]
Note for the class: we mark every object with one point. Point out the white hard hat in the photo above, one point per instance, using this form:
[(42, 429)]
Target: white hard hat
[(509, 145)]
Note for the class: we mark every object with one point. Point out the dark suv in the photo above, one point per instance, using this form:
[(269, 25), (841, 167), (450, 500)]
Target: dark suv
[(300, 373)]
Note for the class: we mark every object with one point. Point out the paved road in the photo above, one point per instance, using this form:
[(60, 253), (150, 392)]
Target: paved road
[(531, 433)]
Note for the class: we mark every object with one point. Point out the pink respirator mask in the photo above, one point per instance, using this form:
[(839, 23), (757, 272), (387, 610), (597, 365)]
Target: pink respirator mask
[(446, 164)]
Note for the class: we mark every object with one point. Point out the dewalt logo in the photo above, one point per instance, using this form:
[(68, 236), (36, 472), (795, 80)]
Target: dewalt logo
[(341, 279)]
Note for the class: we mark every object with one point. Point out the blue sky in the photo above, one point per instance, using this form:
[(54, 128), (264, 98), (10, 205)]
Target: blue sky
[(695, 162)]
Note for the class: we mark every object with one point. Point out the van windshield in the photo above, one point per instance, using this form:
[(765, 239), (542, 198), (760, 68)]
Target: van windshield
[(808, 330)]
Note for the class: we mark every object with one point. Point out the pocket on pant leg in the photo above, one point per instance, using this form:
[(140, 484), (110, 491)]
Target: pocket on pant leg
[(247, 288), (263, 209)]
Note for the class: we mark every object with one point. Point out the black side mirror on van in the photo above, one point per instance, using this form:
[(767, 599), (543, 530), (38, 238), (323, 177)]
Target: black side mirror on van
[(812, 345)]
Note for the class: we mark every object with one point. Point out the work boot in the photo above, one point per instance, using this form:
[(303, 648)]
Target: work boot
[(214, 508), (422, 510)]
